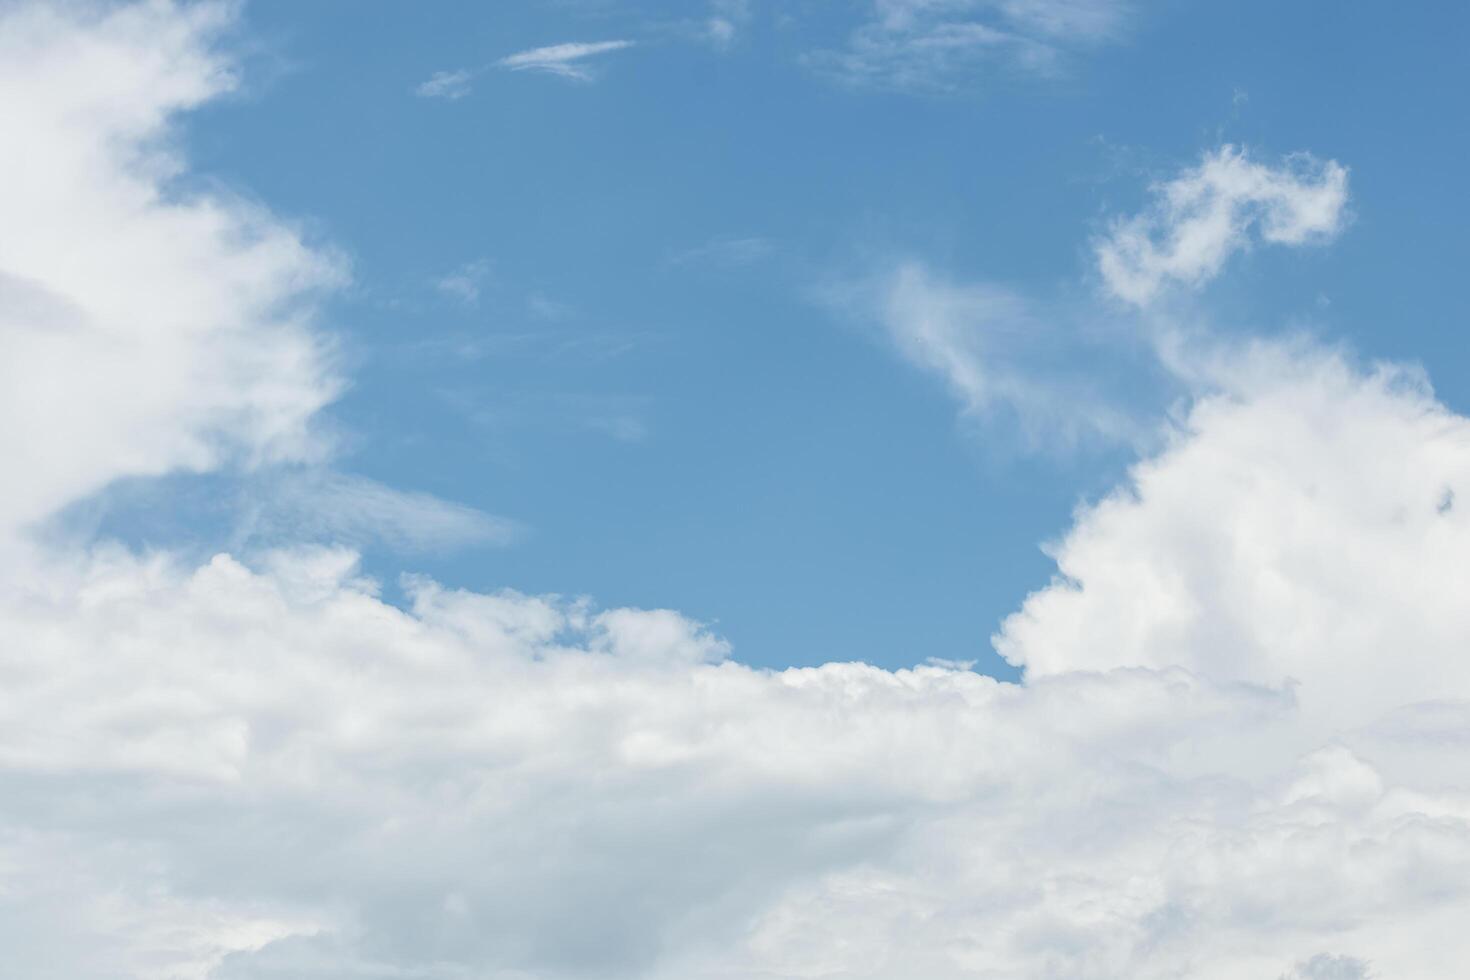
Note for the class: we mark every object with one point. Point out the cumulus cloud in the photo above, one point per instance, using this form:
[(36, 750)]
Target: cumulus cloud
[(148, 325), (1239, 749), (248, 772), (1237, 536), (939, 45), (562, 59), (1200, 218)]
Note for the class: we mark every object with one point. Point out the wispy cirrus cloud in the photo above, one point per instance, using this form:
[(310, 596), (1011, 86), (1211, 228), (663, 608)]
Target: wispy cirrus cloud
[(725, 251), (348, 509), (991, 347), (943, 45), (565, 60), (450, 85), (466, 282)]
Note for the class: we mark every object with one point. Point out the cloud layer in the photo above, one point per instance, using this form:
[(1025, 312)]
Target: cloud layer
[(1239, 750)]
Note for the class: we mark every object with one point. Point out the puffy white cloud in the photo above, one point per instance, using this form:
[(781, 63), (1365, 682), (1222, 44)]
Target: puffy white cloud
[(237, 773), (1200, 218), (148, 323), (1239, 750), (1304, 526)]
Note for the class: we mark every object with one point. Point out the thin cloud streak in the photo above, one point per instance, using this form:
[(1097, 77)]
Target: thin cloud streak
[(562, 59)]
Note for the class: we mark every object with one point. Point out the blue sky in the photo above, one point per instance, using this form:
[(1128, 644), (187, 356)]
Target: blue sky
[(733, 490), (642, 365)]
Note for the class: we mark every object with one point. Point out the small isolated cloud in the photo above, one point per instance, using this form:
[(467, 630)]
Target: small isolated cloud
[(1208, 213), (725, 21), (562, 59), (939, 45), (449, 85), (466, 282)]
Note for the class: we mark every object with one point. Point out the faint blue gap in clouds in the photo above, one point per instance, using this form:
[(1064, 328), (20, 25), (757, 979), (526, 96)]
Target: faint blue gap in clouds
[(564, 60), (247, 511), (941, 45)]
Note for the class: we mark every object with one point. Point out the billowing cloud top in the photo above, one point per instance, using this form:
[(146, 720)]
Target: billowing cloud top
[(1239, 750)]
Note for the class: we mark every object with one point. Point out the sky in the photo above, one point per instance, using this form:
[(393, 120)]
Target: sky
[(599, 488)]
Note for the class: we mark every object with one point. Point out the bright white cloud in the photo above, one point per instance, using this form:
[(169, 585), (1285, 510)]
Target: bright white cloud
[(247, 773), (939, 45), (562, 59), (1239, 750), (451, 85), (147, 326), (1203, 216), (1275, 542)]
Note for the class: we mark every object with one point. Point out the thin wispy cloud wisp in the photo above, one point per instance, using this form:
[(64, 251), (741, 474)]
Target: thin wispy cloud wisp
[(565, 60)]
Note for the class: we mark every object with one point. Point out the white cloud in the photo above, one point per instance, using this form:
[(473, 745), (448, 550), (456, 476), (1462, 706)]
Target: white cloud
[(235, 773), (147, 326), (1239, 750), (562, 59), (939, 45), (1201, 217), (451, 85), (1275, 541)]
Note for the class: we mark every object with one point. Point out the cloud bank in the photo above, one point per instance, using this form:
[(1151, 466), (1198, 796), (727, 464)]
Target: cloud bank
[(1239, 750)]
